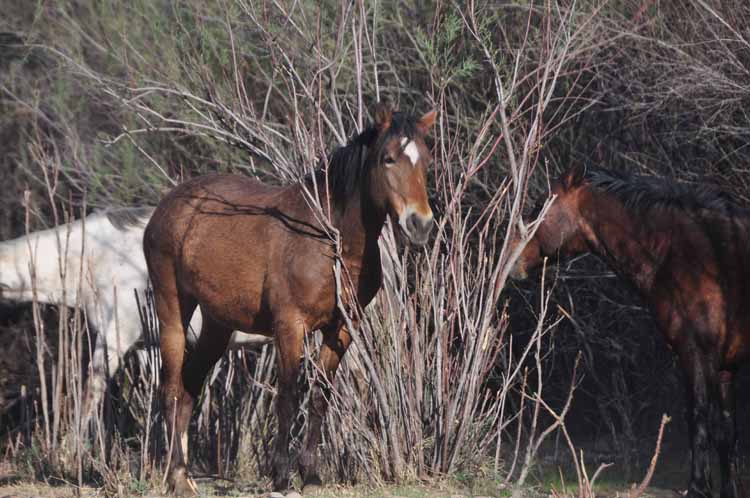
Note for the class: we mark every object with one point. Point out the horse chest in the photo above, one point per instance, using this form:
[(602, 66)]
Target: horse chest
[(365, 271)]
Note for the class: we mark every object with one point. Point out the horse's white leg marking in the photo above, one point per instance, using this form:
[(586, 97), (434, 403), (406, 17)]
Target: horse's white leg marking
[(184, 444)]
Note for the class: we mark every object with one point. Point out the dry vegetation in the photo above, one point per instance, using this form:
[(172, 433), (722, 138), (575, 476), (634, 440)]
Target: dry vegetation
[(453, 373)]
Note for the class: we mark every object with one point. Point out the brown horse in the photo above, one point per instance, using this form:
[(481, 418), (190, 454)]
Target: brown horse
[(687, 252), (257, 258)]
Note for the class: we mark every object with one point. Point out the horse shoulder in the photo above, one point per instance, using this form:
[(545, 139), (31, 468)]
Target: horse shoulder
[(302, 276)]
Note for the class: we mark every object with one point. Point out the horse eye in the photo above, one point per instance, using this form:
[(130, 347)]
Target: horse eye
[(389, 161)]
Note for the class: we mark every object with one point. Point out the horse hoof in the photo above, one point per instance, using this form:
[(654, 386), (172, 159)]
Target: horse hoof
[(696, 493), (282, 488), (312, 484), (312, 489), (180, 483)]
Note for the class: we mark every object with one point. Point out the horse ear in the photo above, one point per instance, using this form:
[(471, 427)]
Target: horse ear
[(574, 176), (427, 121), (383, 115)]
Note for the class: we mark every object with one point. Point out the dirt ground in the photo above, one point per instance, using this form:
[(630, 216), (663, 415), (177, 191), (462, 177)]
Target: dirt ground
[(669, 479), (36, 490), (13, 487)]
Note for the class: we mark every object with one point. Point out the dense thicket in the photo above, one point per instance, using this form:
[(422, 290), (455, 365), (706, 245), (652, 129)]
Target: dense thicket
[(120, 100)]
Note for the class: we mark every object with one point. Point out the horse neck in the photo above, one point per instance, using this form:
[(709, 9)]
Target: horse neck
[(358, 221), (627, 241)]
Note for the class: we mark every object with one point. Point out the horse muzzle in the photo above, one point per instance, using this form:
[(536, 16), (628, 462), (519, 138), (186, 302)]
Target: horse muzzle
[(416, 226), (518, 271), (520, 268)]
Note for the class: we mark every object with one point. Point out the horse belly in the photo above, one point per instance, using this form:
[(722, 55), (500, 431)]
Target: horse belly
[(233, 303), (238, 314)]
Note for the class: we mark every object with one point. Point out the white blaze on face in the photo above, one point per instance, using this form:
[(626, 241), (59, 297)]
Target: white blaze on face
[(411, 150)]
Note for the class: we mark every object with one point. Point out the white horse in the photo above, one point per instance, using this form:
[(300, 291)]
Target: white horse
[(96, 263)]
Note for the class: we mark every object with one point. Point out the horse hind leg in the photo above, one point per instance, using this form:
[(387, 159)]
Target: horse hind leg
[(726, 437), (211, 345), (699, 407), (174, 311)]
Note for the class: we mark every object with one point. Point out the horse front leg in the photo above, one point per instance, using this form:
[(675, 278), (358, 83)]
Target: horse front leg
[(117, 328), (289, 336), (695, 366), (103, 363), (335, 344), (726, 437)]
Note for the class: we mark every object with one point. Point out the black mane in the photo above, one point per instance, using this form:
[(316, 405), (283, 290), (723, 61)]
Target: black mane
[(644, 192), (348, 165)]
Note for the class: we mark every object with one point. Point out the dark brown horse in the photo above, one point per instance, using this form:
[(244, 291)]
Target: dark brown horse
[(256, 258), (687, 252)]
